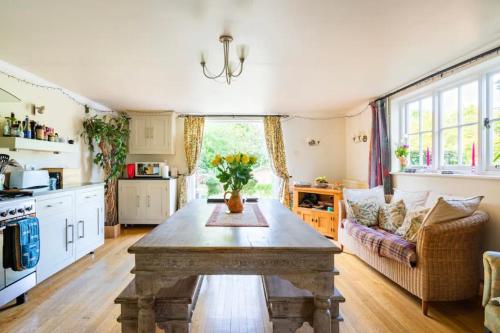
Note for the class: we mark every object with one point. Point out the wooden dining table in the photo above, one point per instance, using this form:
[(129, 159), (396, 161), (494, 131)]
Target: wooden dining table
[(184, 246)]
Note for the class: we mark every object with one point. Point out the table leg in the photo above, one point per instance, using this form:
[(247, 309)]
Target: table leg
[(145, 303), (322, 317), (322, 287)]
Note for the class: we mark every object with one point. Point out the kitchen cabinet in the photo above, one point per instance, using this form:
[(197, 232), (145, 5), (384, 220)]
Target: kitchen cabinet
[(152, 133), (89, 225), (57, 235), (71, 226), (149, 201)]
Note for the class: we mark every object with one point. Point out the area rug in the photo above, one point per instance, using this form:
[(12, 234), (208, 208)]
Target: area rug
[(251, 217)]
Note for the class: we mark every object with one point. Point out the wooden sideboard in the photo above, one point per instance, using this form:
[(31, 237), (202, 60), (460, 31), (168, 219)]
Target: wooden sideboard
[(325, 222)]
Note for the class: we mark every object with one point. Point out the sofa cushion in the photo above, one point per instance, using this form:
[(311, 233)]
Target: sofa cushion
[(492, 317), (365, 212), (412, 223), (391, 216), (452, 209), (411, 199), (397, 248), (358, 195), (368, 237)]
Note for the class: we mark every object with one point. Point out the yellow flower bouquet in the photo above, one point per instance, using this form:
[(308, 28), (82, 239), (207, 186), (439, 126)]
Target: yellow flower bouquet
[(234, 171)]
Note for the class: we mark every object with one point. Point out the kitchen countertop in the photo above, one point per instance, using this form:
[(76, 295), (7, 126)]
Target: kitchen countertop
[(148, 178), (66, 188)]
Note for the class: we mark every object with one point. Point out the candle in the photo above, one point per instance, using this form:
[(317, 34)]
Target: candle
[(473, 154), (428, 157)]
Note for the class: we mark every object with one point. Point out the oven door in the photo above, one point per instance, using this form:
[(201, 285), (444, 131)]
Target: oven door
[(8, 276), (2, 270)]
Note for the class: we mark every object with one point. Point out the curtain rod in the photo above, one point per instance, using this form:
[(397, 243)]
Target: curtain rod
[(183, 115), (441, 72)]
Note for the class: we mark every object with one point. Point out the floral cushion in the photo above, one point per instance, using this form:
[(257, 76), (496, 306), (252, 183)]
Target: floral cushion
[(412, 223), (365, 212), (391, 216)]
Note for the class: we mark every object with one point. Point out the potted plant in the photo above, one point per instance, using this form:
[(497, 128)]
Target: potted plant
[(321, 182), (401, 153), (234, 172), (110, 135)]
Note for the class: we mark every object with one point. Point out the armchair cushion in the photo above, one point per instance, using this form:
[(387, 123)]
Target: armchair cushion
[(491, 262)]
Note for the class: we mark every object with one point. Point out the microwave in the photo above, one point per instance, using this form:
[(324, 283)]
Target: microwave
[(149, 169)]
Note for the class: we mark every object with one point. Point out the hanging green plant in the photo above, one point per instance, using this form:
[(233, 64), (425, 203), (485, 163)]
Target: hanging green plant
[(110, 135)]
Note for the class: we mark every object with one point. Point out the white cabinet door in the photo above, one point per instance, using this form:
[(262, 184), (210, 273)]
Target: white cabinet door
[(160, 135), (139, 135), (130, 203), (152, 134), (88, 230), (57, 235), (156, 201), (85, 231)]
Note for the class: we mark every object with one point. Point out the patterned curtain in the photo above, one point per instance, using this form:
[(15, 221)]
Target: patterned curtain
[(276, 150), (380, 150), (193, 138)]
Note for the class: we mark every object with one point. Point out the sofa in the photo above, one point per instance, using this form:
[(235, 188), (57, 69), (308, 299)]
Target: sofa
[(442, 265), (491, 292)]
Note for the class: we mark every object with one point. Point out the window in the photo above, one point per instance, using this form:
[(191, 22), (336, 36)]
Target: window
[(458, 129), (493, 121), (419, 129), (228, 137), (458, 122)]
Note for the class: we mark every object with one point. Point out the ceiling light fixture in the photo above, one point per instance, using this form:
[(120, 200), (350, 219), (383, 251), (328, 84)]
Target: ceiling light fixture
[(228, 70)]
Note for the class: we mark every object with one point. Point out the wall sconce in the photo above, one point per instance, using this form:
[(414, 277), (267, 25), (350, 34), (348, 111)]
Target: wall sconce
[(312, 142), (37, 109), (360, 138)]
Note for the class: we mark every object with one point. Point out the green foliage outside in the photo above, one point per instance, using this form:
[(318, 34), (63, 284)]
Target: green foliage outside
[(226, 138)]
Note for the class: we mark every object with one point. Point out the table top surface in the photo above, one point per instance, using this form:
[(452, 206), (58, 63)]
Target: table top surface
[(186, 231)]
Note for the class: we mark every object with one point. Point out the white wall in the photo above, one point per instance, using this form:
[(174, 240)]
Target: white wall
[(60, 113), (308, 162), (356, 157)]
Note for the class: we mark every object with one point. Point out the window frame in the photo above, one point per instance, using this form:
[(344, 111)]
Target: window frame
[(481, 73), (405, 126), (488, 130), (459, 126)]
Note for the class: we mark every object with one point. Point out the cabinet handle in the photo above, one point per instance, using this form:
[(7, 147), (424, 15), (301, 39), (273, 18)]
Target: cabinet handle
[(146, 132), (152, 132), (91, 196), (72, 235), (83, 229), (149, 201), (98, 221), (137, 201), (66, 234)]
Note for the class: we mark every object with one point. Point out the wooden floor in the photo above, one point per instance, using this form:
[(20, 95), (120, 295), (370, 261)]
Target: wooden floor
[(80, 299)]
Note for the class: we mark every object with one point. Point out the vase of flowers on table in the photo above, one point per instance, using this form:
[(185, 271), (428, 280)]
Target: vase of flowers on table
[(401, 153), (234, 171)]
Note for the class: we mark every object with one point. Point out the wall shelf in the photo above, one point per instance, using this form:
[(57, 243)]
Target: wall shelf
[(15, 143)]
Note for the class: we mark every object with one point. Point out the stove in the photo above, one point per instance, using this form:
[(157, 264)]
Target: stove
[(14, 285)]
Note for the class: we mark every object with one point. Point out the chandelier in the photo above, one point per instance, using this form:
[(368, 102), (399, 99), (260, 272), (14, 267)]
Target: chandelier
[(227, 71)]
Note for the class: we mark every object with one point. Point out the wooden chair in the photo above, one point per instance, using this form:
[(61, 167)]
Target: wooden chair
[(289, 307), (174, 306)]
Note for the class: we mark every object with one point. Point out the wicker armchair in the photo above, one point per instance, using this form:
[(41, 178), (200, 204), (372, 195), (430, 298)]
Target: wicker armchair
[(448, 260), (491, 261)]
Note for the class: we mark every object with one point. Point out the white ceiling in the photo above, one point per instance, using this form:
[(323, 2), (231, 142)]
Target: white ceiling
[(305, 56)]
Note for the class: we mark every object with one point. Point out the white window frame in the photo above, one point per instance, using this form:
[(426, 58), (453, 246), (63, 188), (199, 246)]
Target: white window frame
[(488, 132), (420, 133), (459, 126), (484, 150)]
